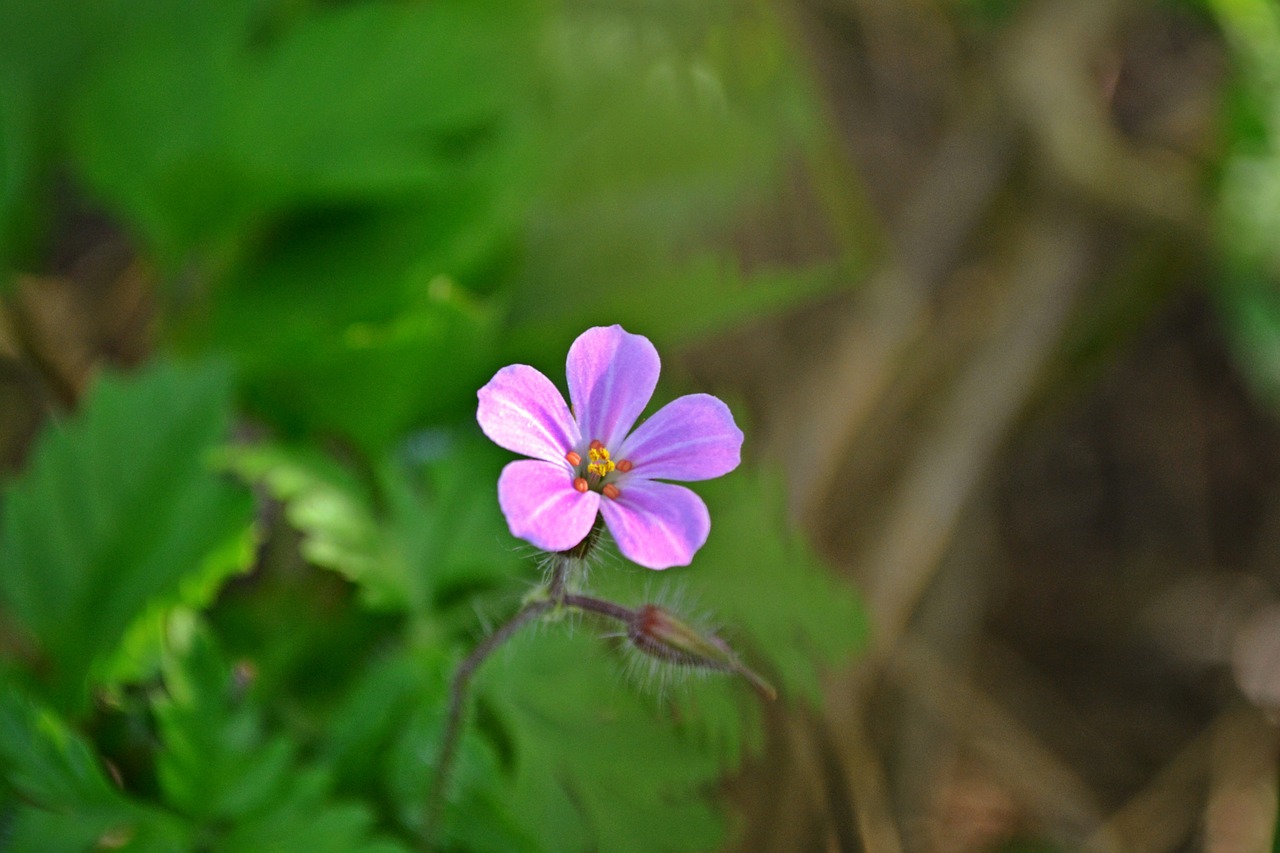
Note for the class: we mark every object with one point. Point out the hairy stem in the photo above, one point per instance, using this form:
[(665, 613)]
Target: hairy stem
[(461, 685), (599, 606), (556, 597)]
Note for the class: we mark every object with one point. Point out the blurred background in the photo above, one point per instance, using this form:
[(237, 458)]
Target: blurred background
[(991, 286)]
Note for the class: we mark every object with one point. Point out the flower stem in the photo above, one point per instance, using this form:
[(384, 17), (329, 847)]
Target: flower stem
[(461, 685), (457, 702), (599, 606), (557, 596), (559, 576)]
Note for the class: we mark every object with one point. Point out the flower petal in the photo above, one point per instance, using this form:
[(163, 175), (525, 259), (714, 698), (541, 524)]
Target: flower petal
[(612, 374), (690, 438), (542, 507), (521, 410), (657, 525)]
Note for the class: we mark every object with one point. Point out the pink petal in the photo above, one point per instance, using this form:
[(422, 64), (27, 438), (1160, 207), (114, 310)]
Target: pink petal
[(657, 525), (612, 374), (542, 507), (521, 410), (690, 438)]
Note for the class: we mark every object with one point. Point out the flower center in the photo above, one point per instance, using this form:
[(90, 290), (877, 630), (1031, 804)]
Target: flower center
[(599, 472), (601, 465)]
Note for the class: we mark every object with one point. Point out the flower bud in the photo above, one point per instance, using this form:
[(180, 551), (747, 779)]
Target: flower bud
[(658, 634)]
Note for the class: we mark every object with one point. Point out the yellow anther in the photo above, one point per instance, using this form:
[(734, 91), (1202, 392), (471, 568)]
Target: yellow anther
[(601, 464)]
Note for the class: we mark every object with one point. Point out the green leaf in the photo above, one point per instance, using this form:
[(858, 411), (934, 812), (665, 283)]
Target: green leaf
[(382, 98), (43, 47), (139, 654), (1250, 305), (161, 155), (376, 708), (353, 323), (117, 509), (1248, 214), (430, 537), (260, 113), (64, 801), (383, 741), (221, 768), (335, 514), (665, 126), (596, 767), (713, 295), (772, 599), (663, 111)]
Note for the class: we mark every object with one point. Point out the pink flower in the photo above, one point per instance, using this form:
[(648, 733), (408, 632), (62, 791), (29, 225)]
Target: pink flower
[(589, 460)]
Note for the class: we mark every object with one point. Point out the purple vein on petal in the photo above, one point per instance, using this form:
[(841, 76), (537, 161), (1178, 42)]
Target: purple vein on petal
[(522, 410), (542, 507), (657, 525), (612, 374), (690, 438)]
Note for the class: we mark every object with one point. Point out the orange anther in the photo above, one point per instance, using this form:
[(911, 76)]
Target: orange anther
[(624, 465), (611, 491), (597, 444), (581, 484), (573, 459)]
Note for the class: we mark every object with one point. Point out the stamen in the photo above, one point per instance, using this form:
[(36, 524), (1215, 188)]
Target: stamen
[(581, 484), (611, 491), (601, 464), (596, 444), (624, 465), (573, 459)]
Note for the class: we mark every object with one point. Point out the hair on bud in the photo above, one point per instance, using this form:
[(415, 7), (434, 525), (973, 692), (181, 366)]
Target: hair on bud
[(656, 633)]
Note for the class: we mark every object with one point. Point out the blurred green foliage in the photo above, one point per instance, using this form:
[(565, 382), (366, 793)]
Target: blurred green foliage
[(234, 585), (1249, 216), (117, 510)]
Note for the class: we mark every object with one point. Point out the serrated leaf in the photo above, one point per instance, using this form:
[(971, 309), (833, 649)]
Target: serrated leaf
[(437, 531), (334, 512), (117, 508), (65, 801), (245, 786), (138, 656), (595, 768), (384, 740)]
